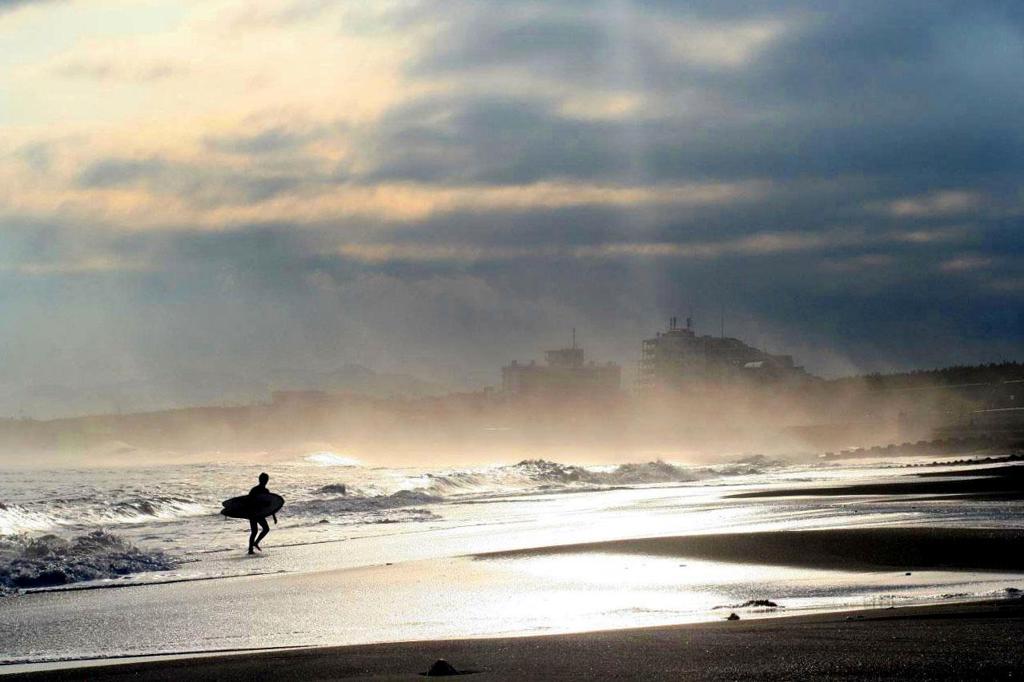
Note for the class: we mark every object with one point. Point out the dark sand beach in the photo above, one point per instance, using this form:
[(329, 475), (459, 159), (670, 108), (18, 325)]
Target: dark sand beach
[(954, 641), (977, 640), (993, 483), (851, 549)]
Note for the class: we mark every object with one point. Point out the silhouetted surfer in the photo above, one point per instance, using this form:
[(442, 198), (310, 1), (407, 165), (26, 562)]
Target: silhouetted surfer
[(259, 521)]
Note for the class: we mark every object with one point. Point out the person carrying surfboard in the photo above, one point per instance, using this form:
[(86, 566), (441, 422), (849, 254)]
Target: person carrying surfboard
[(256, 506), (259, 521)]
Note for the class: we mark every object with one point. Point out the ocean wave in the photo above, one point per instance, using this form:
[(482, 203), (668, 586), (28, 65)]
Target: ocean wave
[(650, 472), (94, 511), (49, 560), (15, 518), (540, 474), (382, 516), (332, 459), (333, 506), (524, 477), (344, 490), (141, 509), (751, 465)]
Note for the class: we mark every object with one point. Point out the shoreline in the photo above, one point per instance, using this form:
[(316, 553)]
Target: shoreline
[(880, 548), (1002, 483), (976, 639)]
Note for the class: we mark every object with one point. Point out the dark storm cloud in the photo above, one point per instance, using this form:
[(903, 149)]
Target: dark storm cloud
[(920, 88), (856, 114), (246, 297), (267, 141), (202, 185), (558, 43), (501, 140), (488, 140), (886, 234)]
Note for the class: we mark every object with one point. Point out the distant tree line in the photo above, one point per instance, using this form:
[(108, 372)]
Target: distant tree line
[(993, 372)]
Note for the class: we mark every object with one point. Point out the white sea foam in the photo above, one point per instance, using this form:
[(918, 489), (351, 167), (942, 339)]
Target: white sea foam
[(332, 459), (334, 506), (49, 560), (15, 518), (543, 475), (55, 513), (83, 500), (142, 509)]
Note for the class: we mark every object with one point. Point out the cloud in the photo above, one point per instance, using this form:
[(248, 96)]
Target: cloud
[(915, 88), (11, 5), (858, 264), (606, 42), (330, 176), (759, 245), (198, 184), (944, 203), (112, 69), (282, 13), (267, 141), (965, 263)]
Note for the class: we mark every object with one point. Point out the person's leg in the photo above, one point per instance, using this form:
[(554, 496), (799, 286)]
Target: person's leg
[(252, 534), (263, 533)]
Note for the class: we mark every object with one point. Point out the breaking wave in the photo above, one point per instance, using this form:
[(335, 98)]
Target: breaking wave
[(76, 506), (15, 518), (332, 459), (94, 511), (334, 506), (140, 509), (544, 475), (333, 489), (750, 465), (402, 488), (49, 561)]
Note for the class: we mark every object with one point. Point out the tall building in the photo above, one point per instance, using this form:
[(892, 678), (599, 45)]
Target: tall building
[(564, 374), (680, 359)]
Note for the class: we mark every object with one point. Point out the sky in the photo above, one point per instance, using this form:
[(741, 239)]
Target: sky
[(234, 188)]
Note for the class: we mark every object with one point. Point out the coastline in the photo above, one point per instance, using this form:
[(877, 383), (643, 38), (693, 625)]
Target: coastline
[(965, 640), (1003, 483), (608, 596), (850, 549)]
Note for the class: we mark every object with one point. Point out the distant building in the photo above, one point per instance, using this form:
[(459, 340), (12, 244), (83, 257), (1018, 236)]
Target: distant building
[(680, 359), (564, 374)]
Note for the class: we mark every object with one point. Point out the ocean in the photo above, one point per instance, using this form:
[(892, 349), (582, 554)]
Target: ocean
[(136, 561)]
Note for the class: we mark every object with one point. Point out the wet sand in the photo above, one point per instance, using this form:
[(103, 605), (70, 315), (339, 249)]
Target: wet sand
[(850, 549), (954, 641), (995, 483)]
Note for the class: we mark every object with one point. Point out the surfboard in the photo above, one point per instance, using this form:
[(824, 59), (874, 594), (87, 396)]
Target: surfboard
[(252, 506)]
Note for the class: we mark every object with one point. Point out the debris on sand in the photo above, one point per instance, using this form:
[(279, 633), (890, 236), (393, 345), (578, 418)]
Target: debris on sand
[(752, 604), (441, 668)]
